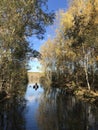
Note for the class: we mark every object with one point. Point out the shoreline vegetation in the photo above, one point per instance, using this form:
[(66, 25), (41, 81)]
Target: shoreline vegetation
[(70, 59), (90, 96), (85, 95), (69, 88), (81, 94), (33, 77)]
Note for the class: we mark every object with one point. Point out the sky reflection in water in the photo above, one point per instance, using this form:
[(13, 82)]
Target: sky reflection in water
[(47, 110), (33, 98), (53, 110)]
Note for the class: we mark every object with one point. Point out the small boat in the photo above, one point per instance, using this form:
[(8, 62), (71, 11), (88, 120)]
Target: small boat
[(35, 86)]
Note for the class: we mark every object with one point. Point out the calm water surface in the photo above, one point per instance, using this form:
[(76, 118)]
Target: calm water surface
[(47, 110)]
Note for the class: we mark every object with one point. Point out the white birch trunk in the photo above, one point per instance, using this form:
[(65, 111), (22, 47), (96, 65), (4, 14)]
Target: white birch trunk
[(86, 68)]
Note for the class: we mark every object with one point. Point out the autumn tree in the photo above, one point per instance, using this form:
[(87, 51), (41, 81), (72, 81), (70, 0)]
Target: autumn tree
[(77, 43), (19, 20)]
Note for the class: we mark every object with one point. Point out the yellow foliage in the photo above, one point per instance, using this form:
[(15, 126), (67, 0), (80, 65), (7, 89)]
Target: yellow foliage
[(96, 58), (77, 28), (66, 20)]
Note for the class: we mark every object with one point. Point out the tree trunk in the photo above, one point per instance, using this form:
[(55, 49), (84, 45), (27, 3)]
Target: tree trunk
[(86, 68), (87, 79)]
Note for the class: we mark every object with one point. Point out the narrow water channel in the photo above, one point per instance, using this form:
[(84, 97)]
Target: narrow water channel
[(33, 98), (47, 110)]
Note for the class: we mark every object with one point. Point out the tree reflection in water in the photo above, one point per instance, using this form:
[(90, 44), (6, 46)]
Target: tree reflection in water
[(62, 112), (11, 117), (53, 109)]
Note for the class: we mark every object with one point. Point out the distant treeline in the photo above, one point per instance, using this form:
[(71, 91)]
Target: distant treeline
[(34, 77)]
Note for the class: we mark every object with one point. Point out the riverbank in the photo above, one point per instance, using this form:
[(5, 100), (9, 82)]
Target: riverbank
[(84, 94)]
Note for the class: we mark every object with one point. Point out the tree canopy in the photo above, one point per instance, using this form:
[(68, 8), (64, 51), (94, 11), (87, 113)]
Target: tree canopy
[(76, 45), (19, 20)]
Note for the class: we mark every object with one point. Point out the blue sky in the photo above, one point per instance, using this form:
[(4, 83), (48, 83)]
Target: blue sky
[(53, 5)]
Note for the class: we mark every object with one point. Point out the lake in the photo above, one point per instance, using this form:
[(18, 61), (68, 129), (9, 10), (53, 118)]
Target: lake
[(47, 110)]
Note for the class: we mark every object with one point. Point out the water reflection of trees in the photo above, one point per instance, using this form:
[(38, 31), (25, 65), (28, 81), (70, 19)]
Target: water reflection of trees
[(11, 117), (59, 112)]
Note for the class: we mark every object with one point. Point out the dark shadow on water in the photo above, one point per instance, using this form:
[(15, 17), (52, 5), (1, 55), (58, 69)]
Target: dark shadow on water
[(11, 117), (47, 110), (62, 112)]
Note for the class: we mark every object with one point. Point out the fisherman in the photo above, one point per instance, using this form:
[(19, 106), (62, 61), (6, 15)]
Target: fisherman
[(36, 86)]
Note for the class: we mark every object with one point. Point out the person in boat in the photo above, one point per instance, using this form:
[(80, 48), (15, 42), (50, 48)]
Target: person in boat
[(36, 86)]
